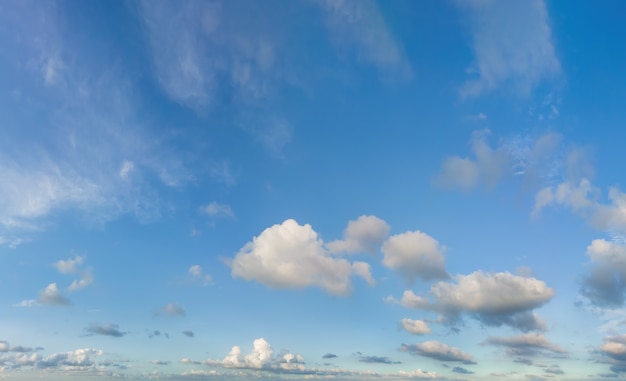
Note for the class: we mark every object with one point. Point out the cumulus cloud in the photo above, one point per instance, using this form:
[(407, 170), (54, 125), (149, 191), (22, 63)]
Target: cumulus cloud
[(363, 235), (52, 296), (527, 345), (583, 198), (79, 358), (438, 351), (171, 310), (159, 362), (329, 356), (613, 352), (605, 284), (415, 255), (291, 255), (415, 327), (215, 209), (512, 43), (493, 299), (188, 333), (112, 330), (262, 358)]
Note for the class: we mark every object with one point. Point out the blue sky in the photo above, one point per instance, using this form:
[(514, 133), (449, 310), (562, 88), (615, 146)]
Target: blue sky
[(352, 190)]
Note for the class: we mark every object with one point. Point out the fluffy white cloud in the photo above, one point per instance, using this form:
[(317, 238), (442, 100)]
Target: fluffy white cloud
[(364, 235), (494, 299), (261, 357), (438, 351), (415, 255), (77, 358), (291, 255), (512, 43), (415, 327)]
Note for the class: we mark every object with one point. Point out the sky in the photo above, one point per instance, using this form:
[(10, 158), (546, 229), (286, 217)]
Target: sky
[(315, 189)]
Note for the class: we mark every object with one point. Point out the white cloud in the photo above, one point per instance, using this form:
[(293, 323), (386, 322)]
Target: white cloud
[(215, 209), (415, 327), (582, 198), (291, 255), (78, 358), (360, 25), (493, 299), (438, 351), (415, 255), (262, 358), (512, 43), (363, 235), (52, 296), (71, 266)]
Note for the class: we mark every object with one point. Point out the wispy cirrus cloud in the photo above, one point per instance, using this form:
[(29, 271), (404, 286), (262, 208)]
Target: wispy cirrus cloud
[(360, 27), (513, 46), (85, 148)]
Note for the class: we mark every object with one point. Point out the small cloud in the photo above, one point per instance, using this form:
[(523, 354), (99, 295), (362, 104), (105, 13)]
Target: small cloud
[(188, 333), (458, 369), (438, 351), (72, 266), (112, 330), (329, 356), (69, 266), (216, 209), (126, 168), (197, 274), (159, 362), (172, 310), (415, 327), (52, 296), (377, 360)]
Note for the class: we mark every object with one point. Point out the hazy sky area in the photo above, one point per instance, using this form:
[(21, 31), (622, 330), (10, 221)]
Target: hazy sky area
[(315, 189)]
